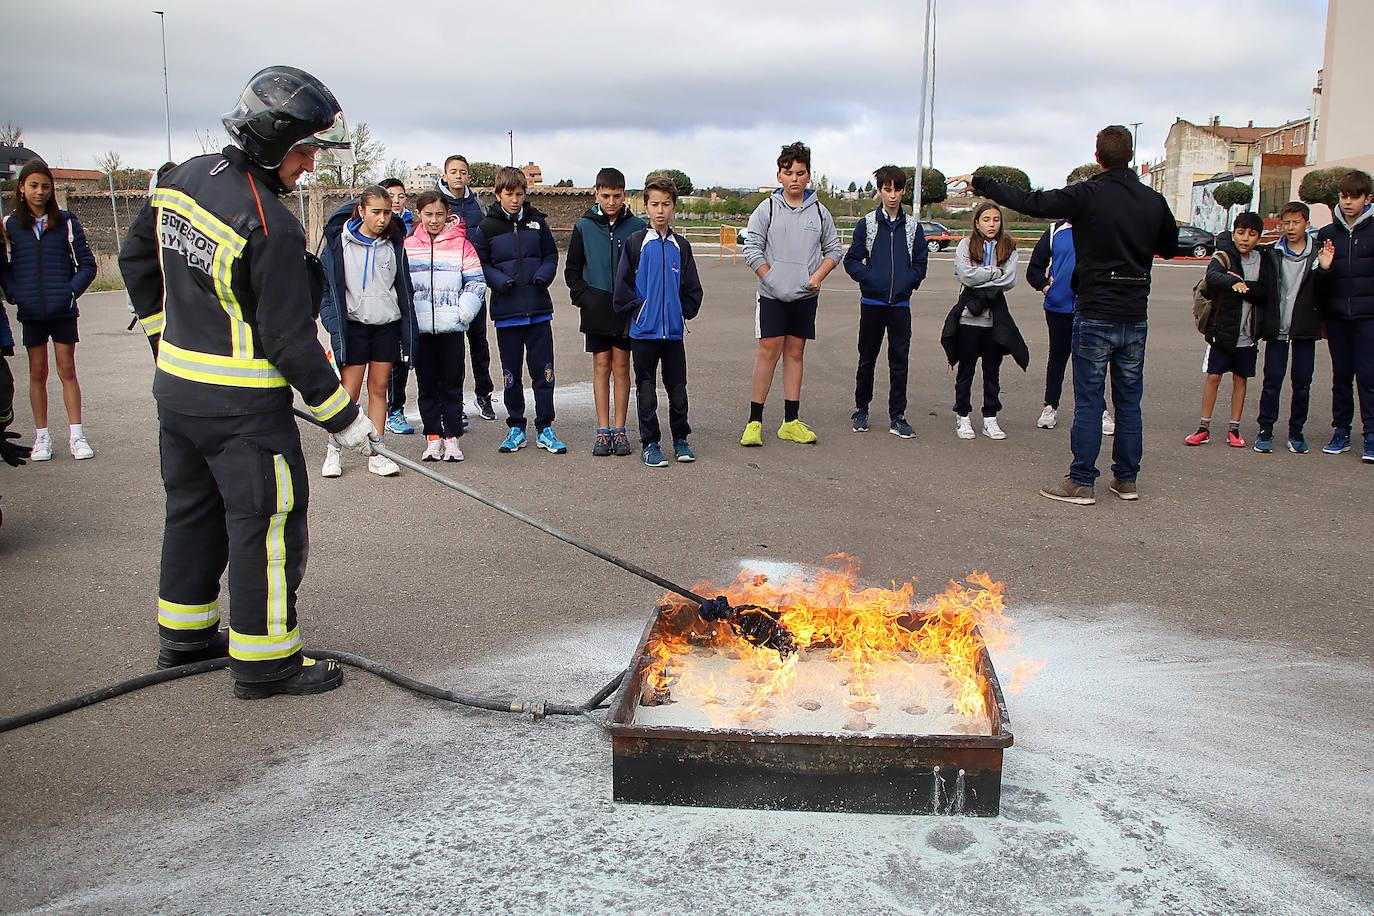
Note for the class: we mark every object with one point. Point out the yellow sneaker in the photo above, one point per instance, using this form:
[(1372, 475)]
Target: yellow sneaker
[(797, 431), (753, 435)]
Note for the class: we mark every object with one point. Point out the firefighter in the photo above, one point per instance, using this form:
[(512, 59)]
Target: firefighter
[(215, 266)]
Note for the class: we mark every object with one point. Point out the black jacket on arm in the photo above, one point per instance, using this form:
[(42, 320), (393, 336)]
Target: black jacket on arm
[(1119, 225), (1228, 305)]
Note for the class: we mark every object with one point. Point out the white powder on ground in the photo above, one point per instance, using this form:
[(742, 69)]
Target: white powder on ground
[(1153, 772)]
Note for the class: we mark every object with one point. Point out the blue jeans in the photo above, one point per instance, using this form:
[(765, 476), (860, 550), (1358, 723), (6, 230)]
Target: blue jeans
[(1097, 345)]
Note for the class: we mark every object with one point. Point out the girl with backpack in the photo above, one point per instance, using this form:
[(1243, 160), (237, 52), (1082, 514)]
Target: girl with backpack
[(450, 288), (49, 267), (367, 308), (980, 327)]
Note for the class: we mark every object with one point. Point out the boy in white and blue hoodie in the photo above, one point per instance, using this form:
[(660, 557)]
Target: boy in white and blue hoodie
[(887, 258), (657, 286)]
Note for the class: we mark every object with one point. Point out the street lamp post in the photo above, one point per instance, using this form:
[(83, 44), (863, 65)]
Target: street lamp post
[(1135, 126), (921, 119), (511, 135), (166, 94)]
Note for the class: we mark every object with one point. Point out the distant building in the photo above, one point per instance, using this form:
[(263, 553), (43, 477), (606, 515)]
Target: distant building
[(1340, 133), (1194, 152), (12, 159), (79, 180), (533, 173), (1282, 150), (423, 177)]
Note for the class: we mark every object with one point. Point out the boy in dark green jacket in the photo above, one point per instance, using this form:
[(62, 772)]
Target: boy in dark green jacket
[(593, 253)]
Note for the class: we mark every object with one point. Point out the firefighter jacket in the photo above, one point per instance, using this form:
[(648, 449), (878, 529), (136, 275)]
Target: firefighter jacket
[(215, 269)]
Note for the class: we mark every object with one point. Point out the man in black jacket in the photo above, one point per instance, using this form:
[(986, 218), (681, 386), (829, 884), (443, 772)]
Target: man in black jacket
[(1119, 226)]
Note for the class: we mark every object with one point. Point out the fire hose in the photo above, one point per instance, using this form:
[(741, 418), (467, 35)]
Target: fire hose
[(758, 625)]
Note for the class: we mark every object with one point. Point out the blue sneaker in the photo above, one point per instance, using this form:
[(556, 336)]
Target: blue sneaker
[(652, 456), (548, 440), (1264, 441), (1298, 445), (682, 451), (1340, 442), (1366, 456), (514, 441), (396, 423)]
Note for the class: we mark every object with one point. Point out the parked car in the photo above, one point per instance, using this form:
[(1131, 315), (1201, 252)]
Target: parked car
[(938, 236), (1196, 242)]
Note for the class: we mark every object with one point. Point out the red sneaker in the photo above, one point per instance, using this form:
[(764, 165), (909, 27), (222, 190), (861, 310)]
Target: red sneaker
[(1200, 437), (1234, 439)]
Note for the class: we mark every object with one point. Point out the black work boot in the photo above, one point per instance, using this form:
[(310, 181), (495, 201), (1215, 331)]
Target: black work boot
[(314, 676), (168, 657)]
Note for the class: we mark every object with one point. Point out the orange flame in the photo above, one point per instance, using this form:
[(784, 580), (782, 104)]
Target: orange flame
[(864, 629)]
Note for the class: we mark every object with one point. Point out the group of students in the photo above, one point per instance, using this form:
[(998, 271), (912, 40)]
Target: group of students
[(1288, 295)]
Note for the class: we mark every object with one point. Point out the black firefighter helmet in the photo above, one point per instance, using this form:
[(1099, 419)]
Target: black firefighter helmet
[(284, 107)]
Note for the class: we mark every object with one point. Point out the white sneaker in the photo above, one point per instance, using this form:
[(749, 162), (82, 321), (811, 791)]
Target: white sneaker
[(333, 462), (451, 450), (434, 450), (382, 466), (991, 429), (963, 427), (42, 449), (81, 448), (1049, 418), (1108, 424)]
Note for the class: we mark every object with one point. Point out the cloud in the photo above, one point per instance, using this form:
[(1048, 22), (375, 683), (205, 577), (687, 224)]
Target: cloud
[(713, 88)]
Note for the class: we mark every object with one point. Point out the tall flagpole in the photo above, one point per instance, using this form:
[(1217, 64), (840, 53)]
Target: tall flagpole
[(921, 120), (166, 93)]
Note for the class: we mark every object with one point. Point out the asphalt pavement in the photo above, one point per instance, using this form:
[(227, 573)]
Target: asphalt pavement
[(1268, 551)]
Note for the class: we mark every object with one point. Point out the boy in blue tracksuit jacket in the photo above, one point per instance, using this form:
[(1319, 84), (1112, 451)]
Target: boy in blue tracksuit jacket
[(657, 286), (887, 258)]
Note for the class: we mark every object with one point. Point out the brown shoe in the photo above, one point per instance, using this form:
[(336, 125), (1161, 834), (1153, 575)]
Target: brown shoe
[(1126, 489), (1066, 491)]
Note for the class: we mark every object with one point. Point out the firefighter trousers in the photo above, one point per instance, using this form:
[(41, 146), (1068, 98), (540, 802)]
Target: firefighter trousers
[(237, 493)]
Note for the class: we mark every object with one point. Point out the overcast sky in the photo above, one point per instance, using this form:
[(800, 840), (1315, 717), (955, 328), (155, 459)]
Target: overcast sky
[(713, 88)]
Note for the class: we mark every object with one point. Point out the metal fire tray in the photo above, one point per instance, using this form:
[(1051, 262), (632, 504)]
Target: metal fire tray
[(741, 768)]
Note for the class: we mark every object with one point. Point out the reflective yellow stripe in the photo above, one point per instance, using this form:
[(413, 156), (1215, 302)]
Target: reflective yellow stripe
[(217, 370), (331, 407), (153, 324), (228, 246), (177, 616), (263, 648), (276, 547)]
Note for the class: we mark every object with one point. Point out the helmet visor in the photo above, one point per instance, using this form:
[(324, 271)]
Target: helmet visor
[(335, 136)]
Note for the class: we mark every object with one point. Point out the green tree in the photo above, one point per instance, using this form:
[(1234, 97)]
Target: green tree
[(933, 183), (1009, 174), (868, 188), (853, 186), (1083, 173), (482, 174), (367, 159), (679, 177), (1322, 187), (1233, 194), (735, 206)]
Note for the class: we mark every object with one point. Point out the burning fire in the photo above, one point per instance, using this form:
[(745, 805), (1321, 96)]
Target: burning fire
[(863, 630)]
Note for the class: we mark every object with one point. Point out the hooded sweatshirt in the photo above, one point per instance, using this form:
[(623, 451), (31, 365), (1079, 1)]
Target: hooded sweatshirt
[(446, 275), (369, 277), (792, 241), (467, 208), (1348, 286)]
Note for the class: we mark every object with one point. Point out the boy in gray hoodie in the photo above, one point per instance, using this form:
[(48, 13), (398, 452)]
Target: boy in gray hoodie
[(792, 245)]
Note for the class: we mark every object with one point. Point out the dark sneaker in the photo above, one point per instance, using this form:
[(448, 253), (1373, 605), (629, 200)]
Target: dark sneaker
[(860, 418), (1264, 442), (683, 452), (314, 677), (900, 427), (620, 443), (167, 657), (1340, 442), (1125, 489), (1367, 455), (652, 456), (601, 448), (1066, 491), (1298, 445), (484, 408)]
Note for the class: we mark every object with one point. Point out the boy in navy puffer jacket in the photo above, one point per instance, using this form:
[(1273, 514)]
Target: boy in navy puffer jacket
[(888, 260), (657, 286), (520, 260)]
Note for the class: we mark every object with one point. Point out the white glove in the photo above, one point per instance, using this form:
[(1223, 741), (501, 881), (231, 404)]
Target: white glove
[(359, 435)]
